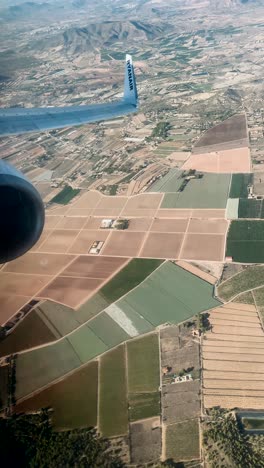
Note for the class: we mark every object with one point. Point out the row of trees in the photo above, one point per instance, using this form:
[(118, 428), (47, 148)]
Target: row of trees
[(223, 438)]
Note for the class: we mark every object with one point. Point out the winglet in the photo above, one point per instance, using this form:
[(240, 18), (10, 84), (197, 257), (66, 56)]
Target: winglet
[(130, 88)]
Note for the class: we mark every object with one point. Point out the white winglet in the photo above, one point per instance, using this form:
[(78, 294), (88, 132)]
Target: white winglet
[(130, 88)]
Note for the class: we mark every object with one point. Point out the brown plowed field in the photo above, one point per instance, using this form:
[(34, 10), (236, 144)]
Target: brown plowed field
[(94, 267), (124, 243), (208, 226), (233, 392), (17, 284), (107, 203), (85, 240), (245, 357), (236, 306), (223, 322), (88, 200), (235, 160), (169, 225), (234, 313), (226, 344), (233, 366), (236, 330), (93, 223), (173, 213), (70, 291), (234, 128), (233, 402), (233, 318), (204, 214), (244, 339), (10, 305), (203, 247), (107, 212), (139, 224), (144, 201), (235, 384), (159, 245), (39, 263), (210, 376), (71, 222), (52, 221), (79, 212), (43, 237), (59, 210), (231, 349), (127, 213), (59, 241)]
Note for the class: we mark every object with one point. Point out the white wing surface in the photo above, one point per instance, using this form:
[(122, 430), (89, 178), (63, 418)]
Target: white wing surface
[(25, 120)]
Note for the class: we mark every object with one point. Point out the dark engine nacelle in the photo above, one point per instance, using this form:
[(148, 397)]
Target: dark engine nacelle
[(22, 213)]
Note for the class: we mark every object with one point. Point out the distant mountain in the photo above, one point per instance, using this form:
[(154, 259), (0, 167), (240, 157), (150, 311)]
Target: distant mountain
[(77, 40), (28, 10)]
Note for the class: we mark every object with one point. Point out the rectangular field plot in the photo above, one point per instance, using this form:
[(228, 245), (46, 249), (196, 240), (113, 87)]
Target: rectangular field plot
[(145, 439), (124, 243), (203, 247), (113, 411), (44, 365), (10, 305), (143, 202), (165, 296), (239, 185), (169, 225), (38, 263), (250, 208), (88, 200), (162, 245), (59, 241), (26, 285), (143, 364), (133, 323), (22, 337), (59, 318), (182, 441), (109, 332), (196, 193), (143, 405), (171, 182), (85, 239), (94, 267), (74, 400), (245, 241)]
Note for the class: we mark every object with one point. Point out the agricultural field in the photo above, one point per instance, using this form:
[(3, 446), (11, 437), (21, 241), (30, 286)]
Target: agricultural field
[(250, 278), (65, 196), (245, 298), (143, 364), (195, 194), (231, 129), (113, 412), (245, 241), (74, 400), (168, 289), (239, 184), (171, 182), (22, 337), (143, 405), (182, 441), (250, 208), (145, 439)]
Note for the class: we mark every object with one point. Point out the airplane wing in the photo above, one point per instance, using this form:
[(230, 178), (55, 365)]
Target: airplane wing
[(25, 120)]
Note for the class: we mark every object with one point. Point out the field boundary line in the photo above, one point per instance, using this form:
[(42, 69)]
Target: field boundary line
[(184, 237)]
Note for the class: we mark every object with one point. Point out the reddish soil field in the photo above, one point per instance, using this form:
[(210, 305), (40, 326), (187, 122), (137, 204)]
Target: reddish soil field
[(10, 305), (79, 212), (238, 330), (59, 210), (231, 349), (124, 243), (203, 247), (59, 241), (107, 212), (144, 201), (71, 222), (228, 336), (229, 161), (38, 263), (232, 392), (127, 213), (111, 202), (208, 214), (234, 402), (246, 307), (224, 375), (233, 357), (173, 213), (139, 224), (93, 223), (234, 384), (233, 366), (95, 267), (51, 221), (88, 200), (43, 237), (19, 284), (85, 240), (70, 291), (160, 245), (234, 318), (169, 225), (208, 226)]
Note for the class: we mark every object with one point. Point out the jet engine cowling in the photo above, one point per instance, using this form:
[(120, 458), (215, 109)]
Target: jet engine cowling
[(22, 213)]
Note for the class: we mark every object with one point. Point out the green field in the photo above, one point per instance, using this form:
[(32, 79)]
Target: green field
[(171, 182), (22, 337), (259, 297), (250, 278), (144, 405), (182, 441), (239, 183), (211, 191), (59, 318), (165, 296), (108, 330), (245, 298), (44, 365), (131, 275), (113, 407), (91, 308), (86, 344), (250, 208), (245, 241), (74, 400), (65, 196), (143, 364)]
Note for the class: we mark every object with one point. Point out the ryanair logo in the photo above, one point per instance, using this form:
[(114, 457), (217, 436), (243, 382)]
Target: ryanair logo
[(130, 75)]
